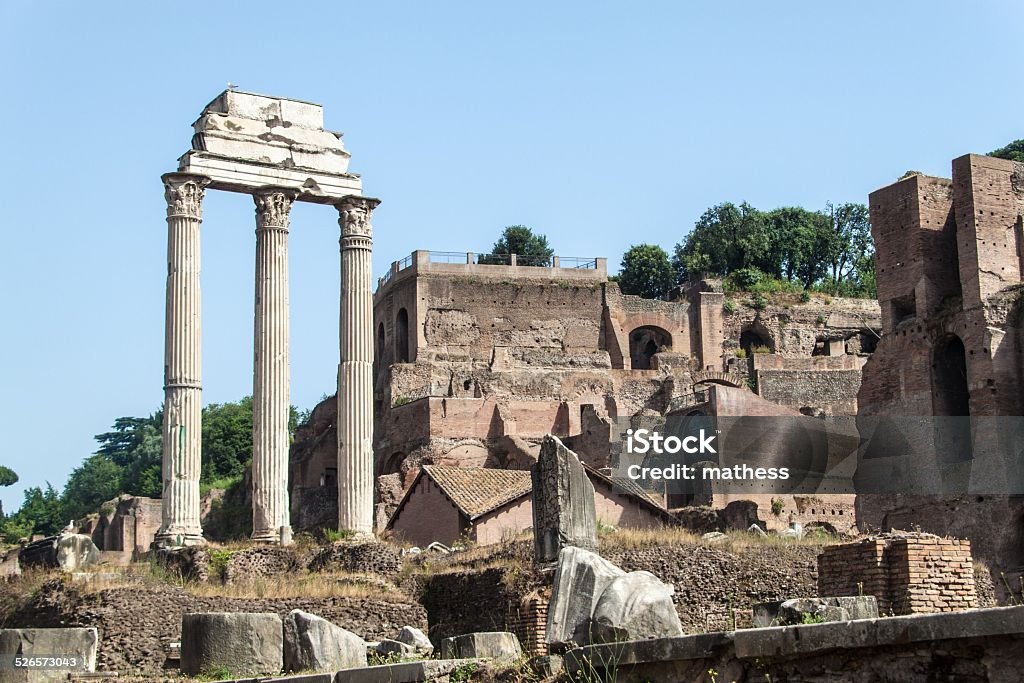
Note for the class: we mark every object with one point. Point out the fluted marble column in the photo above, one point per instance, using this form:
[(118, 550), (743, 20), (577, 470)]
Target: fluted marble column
[(270, 379), (355, 373), (182, 428)]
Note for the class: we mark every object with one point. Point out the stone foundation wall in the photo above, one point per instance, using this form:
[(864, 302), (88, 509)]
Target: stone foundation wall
[(909, 574), (977, 647), (465, 601), (364, 558), (136, 624), (833, 392), (711, 583)]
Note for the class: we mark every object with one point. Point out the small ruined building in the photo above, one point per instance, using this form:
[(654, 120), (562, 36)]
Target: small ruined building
[(949, 268), (124, 528), (477, 357), (484, 505)]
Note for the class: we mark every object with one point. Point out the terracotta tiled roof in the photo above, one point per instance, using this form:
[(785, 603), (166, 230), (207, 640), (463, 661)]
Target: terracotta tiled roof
[(630, 489), (479, 490)]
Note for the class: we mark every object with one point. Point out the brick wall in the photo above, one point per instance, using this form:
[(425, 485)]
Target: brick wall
[(834, 392), (528, 619), (908, 574)]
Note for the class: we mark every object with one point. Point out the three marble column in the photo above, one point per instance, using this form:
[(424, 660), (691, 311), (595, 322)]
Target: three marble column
[(271, 384), (355, 372), (183, 391), (182, 428)]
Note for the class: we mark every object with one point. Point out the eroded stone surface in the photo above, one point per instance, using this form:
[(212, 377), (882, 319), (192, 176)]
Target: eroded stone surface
[(312, 643), (242, 643), (491, 645), (580, 578), (635, 606), (563, 502), (79, 643), (410, 635), (76, 552)]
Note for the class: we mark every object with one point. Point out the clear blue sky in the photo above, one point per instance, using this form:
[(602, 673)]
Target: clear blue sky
[(598, 124)]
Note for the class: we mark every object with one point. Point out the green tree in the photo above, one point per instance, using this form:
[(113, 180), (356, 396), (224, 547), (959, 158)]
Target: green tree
[(227, 439), (95, 481), (41, 512), (1013, 151), (851, 254), (726, 238), (799, 244), (134, 445), (7, 476), (646, 271), (531, 249)]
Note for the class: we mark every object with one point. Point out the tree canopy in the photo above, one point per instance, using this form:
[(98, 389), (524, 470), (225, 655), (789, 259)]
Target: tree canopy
[(7, 476), (1013, 151), (829, 250), (128, 460), (531, 249), (646, 271)]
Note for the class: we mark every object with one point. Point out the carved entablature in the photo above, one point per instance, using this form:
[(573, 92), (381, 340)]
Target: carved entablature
[(272, 207), (354, 216), (184, 193)]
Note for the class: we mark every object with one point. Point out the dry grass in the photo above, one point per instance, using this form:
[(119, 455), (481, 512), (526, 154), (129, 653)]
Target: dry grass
[(734, 541), (300, 585), (17, 591)]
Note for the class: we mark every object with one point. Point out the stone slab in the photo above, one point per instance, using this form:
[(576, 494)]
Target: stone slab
[(915, 628), (483, 645), (300, 678), (249, 643), (46, 642), (854, 607), (404, 672), (698, 646)]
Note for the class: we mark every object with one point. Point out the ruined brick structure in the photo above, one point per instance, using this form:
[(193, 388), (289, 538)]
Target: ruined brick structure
[(907, 573), (949, 254), (475, 362)]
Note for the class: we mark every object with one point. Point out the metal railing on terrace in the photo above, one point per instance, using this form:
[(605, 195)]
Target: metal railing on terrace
[(687, 401), (469, 258)]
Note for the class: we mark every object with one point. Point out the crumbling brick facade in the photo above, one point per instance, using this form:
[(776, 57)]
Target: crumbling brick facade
[(948, 255), (475, 363), (908, 574)]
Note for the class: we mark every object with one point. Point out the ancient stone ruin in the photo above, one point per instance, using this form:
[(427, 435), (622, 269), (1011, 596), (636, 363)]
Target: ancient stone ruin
[(277, 150), (563, 503)]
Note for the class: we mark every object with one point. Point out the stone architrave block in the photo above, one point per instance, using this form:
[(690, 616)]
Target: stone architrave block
[(635, 606), (486, 645), (312, 643), (580, 578), (80, 643), (244, 643), (563, 502)]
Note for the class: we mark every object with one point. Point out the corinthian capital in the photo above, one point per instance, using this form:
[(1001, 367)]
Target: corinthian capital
[(184, 193), (354, 216), (273, 205)]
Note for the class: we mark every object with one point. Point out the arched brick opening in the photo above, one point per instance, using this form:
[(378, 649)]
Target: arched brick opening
[(951, 403), (402, 336), (392, 464), (644, 342), (378, 357), (755, 337)]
